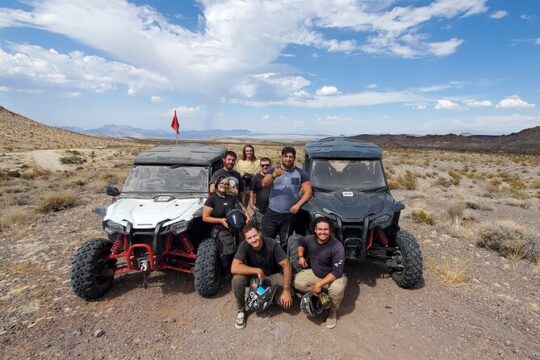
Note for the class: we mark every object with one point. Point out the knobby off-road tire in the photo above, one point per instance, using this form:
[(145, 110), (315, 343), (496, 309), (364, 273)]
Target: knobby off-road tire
[(206, 272), (293, 253), (411, 261), (91, 274)]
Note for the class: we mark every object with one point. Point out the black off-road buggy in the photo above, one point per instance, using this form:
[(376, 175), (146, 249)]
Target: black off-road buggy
[(350, 187), (155, 223)]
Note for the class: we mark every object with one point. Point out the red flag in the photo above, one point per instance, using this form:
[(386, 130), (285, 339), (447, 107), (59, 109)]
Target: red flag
[(174, 124)]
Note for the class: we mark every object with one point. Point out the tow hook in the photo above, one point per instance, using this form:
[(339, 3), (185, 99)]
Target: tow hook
[(143, 266)]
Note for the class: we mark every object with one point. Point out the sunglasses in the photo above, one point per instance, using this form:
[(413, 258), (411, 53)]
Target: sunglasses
[(265, 165)]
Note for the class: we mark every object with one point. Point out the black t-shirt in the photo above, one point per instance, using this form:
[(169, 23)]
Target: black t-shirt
[(234, 175), (220, 206), (326, 258), (267, 258), (261, 194)]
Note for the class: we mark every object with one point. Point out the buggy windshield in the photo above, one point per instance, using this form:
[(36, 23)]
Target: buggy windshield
[(347, 174), (167, 179)]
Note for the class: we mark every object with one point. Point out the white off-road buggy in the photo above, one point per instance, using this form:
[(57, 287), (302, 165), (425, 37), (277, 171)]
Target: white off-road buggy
[(155, 223)]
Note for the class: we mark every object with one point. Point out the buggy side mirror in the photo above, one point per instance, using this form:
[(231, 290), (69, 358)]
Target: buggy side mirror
[(112, 191)]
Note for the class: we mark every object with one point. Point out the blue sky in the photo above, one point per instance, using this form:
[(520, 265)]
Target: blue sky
[(319, 66)]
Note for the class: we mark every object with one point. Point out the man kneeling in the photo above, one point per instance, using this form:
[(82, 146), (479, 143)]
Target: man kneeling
[(264, 258), (326, 256)]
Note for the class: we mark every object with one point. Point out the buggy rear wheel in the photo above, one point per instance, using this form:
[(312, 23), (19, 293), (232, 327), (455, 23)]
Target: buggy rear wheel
[(409, 261), (206, 272), (91, 274)]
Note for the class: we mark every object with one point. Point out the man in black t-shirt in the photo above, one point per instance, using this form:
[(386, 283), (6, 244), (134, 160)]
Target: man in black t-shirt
[(236, 185), (326, 256), (264, 258), (258, 195)]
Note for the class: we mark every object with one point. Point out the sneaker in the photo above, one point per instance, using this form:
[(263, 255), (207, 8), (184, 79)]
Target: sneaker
[(331, 320), (240, 321)]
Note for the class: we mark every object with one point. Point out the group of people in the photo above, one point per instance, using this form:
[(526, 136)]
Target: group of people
[(271, 196)]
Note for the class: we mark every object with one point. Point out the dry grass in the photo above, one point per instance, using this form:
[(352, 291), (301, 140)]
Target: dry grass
[(14, 217), (450, 272), (456, 211), (421, 216), (510, 240), (408, 180), (57, 201), (393, 185)]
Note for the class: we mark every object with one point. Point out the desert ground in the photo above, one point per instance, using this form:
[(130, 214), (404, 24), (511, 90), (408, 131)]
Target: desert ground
[(475, 217)]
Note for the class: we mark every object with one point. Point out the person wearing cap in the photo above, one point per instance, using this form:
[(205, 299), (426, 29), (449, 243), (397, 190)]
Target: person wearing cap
[(258, 195), (247, 166), (236, 185), (215, 209), (322, 258)]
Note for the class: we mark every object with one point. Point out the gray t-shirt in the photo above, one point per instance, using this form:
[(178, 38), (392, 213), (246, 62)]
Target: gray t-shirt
[(285, 189), (233, 175)]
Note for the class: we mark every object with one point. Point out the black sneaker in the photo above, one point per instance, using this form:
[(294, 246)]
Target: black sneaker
[(240, 321)]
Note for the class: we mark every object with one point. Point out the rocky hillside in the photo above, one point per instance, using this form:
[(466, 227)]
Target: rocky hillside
[(524, 142), (21, 134)]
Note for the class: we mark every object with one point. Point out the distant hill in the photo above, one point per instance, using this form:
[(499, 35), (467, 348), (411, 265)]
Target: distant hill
[(21, 134), (524, 142), (129, 131)]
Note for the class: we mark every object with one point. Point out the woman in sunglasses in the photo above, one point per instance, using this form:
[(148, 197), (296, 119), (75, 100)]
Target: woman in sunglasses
[(258, 196)]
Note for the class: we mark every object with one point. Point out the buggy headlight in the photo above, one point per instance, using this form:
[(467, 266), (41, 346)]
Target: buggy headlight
[(178, 227), (380, 220), (112, 227)]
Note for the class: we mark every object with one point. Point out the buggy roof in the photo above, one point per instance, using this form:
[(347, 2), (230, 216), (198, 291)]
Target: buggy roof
[(341, 147), (183, 154)]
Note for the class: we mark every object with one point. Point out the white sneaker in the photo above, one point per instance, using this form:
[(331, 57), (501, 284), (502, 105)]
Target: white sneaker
[(331, 320)]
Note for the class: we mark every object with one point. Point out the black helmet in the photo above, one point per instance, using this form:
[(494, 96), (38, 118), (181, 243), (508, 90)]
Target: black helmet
[(235, 219), (313, 304), (247, 178), (260, 296)]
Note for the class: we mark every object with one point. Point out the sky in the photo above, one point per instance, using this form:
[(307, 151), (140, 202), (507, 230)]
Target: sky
[(295, 67)]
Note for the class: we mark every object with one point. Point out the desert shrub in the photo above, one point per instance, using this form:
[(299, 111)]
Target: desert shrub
[(455, 177), (111, 178), (57, 201), (442, 182), (536, 184), (455, 271), (421, 216), (456, 210), (73, 152), (494, 186), (74, 159), (34, 173), (15, 216), (477, 206), (408, 180), (520, 203), (79, 182), (509, 240), (393, 185)]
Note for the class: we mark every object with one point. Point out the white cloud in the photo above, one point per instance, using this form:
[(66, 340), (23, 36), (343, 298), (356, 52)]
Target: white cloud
[(371, 86), (445, 104), (4, 89), (185, 111), (471, 103), (71, 94), (537, 42), (440, 87), (156, 99), (327, 91), (266, 117), (233, 44), (74, 70), (527, 17), (513, 102), (499, 14)]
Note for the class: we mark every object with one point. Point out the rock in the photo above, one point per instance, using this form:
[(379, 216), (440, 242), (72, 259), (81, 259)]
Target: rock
[(99, 333)]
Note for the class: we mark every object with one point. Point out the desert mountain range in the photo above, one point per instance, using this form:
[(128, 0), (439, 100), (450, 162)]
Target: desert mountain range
[(20, 133)]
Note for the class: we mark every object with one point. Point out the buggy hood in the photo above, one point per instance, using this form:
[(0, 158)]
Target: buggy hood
[(352, 205), (147, 213)]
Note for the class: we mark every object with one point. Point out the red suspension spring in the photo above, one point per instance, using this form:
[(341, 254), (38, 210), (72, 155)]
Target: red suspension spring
[(118, 245), (186, 244)]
